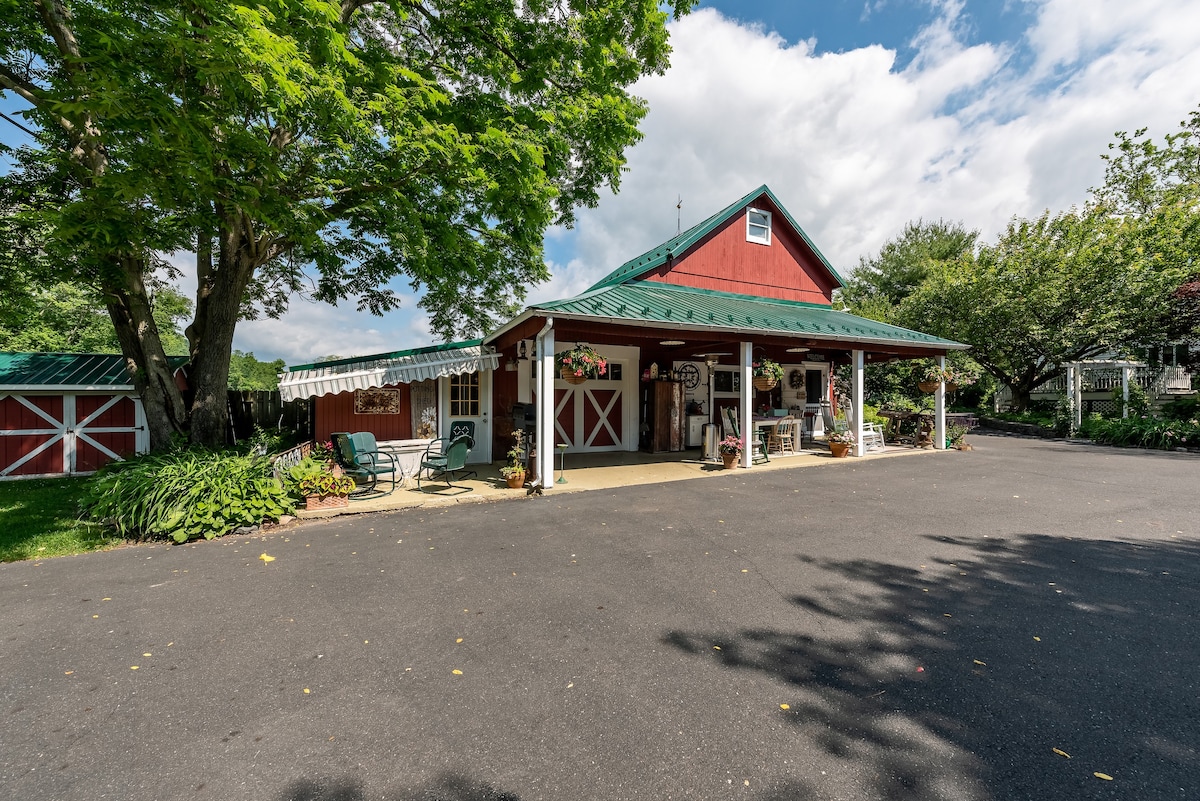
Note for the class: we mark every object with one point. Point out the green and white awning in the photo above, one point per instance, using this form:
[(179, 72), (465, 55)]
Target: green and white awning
[(386, 369)]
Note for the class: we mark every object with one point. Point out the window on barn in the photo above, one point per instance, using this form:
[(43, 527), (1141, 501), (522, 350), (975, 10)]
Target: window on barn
[(758, 226)]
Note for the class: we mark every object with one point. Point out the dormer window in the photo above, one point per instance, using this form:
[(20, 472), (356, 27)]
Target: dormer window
[(758, 226)]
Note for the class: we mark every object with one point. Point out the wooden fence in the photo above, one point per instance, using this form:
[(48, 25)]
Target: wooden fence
[(266, 410)]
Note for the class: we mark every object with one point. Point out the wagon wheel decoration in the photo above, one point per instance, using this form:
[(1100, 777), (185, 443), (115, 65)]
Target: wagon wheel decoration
[(689, 375)]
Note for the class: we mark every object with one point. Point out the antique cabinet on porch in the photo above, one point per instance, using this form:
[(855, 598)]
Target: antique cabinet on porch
[(663, 417)]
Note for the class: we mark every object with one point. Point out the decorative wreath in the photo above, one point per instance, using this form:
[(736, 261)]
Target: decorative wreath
[(795, 379)]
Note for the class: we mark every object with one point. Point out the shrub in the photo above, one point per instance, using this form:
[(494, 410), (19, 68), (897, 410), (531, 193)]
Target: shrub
[(1144, 432), (1182, 409), (186, 494)]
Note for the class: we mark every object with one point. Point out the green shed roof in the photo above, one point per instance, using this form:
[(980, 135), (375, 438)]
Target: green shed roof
[(682, 241), (651, 302), (68, 370)]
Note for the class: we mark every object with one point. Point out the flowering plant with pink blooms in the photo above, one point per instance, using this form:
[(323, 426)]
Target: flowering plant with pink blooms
[(582, 361)]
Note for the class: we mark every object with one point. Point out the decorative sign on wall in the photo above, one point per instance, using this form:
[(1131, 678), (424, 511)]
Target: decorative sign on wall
[(376, 401)]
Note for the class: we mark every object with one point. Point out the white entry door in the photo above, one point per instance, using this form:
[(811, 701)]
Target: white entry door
[(467, 398)]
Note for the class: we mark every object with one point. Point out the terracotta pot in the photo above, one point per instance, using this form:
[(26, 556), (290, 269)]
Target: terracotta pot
[(839, 449), (515, 481), (316, 502), (569, 376), (730, 460), (765, 383), (927, 386)]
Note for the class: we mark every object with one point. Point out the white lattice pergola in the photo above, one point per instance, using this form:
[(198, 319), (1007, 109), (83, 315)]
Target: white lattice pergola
[(1075, 371)]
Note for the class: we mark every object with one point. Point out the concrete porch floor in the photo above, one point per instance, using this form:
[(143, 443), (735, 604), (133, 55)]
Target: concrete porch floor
[(590, 472)]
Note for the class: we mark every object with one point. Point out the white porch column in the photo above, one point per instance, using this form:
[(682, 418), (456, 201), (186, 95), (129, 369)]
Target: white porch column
[(746, 422), (939, 410), (545, 406), (1125, 371), (856, 402), (1077, 400)]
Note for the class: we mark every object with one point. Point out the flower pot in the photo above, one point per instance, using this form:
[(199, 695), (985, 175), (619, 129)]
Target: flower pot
[(315, 503), (569, 376), (927, 386), (839, 449), (951, 386), (730, 460), (765, 383), (516, 480)]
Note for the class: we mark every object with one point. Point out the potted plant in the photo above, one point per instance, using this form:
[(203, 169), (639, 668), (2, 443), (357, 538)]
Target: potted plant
[(767, 374), (730, 449), (580, 363), (956, 437), (324, 490), (840, 442), (514, 470)]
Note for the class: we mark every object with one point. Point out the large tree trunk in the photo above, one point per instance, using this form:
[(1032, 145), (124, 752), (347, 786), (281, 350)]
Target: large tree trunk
[(219, 298), (129, 307)]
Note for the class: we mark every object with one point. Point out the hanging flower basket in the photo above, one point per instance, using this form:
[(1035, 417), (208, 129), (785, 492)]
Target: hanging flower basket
[(766, 375), (571, 378), (580, 363), (764, 384), (927, 386)]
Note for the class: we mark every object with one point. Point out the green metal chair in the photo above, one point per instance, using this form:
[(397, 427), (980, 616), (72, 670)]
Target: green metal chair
[(758, 452), (446, 458), (361, 459)]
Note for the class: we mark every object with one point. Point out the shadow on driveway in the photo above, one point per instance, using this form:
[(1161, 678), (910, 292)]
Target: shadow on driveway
[(982, 667)]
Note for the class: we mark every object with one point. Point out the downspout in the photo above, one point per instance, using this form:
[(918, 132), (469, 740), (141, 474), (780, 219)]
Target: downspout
[(545, 466)]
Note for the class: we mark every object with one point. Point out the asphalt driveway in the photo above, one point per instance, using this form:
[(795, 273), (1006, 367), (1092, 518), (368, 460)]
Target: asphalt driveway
[(1017, 622)]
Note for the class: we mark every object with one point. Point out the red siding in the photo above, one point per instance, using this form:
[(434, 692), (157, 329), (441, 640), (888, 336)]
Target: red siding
[(88, 458), (336, 413), (15, 416), (120, 413), (786, 269), (566, 417)]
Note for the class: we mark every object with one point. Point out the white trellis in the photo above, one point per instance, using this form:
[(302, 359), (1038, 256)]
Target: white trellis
[(1075, 371)]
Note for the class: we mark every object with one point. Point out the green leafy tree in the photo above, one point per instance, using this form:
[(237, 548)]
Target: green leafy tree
[(247, 372), (71, 318), (880, 284), (1155, 190), (294, 141), (1052, 290)]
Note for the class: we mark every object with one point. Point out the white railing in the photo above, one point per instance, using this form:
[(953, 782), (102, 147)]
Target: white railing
[(1155, 380)]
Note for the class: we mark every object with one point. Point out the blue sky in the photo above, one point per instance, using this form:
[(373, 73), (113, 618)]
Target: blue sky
[(861, 115)]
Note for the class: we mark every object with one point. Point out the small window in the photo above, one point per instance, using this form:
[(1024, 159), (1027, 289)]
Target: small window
[(464, 395), (758, 226)]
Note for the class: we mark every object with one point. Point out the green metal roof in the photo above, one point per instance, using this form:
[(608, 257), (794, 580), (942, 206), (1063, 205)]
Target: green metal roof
[(382, 357), (685, 239), (77, 370), (652, 302)]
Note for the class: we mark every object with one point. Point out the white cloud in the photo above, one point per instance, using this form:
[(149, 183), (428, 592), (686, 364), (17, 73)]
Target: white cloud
[(855, 148)]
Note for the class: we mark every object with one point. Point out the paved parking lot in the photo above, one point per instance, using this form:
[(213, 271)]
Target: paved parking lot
[(1015, 622)]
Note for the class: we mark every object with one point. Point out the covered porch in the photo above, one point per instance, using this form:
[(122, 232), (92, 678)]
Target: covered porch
[(707, 340)]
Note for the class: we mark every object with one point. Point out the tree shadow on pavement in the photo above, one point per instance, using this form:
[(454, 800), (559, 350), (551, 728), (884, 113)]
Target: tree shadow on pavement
[(959, 679), (447, 787)]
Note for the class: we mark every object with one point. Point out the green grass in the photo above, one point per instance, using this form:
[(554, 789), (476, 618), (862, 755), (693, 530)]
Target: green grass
[(39, 518)]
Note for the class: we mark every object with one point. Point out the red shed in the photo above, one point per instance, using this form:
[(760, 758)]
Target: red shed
[(67, 413)]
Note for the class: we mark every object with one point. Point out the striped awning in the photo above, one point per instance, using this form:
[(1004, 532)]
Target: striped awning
[(387, 369)]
